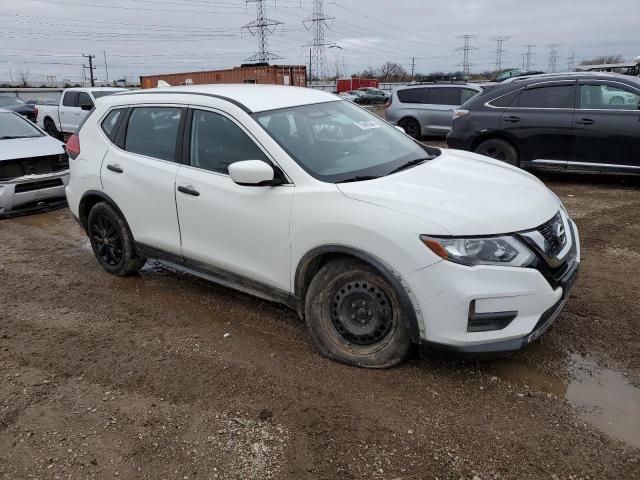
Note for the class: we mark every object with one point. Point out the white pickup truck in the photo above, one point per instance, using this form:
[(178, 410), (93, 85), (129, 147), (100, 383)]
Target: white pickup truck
[(75, 104)]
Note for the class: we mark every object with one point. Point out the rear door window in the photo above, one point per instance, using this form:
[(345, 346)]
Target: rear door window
[(70, 99), (153, 132), (412, 95), (444, 96), (552, 96)]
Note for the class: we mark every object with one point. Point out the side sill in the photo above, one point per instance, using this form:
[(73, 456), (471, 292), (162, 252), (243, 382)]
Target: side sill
[(219, 276)]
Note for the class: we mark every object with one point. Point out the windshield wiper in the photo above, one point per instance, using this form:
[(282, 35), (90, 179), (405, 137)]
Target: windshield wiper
[(410, 164), (361, 178)]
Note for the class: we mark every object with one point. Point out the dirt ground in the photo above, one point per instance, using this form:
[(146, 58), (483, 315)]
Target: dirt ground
[(166, 376)]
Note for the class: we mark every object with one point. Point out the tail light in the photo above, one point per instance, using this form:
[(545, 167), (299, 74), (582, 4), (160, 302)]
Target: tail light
[(35, 113), (73, 146), (389, 102), (459, 113)]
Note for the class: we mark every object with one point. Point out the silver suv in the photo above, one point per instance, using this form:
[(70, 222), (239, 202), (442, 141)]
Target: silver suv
[(427, 108)]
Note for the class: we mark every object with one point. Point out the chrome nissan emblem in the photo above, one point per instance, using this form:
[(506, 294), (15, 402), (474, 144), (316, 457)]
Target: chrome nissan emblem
[(558, 231)]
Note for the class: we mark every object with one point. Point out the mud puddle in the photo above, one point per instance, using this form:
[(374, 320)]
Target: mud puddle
[(603, 398)]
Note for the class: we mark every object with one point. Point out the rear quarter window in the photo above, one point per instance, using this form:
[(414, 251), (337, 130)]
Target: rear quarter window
[(412, 95), (111, 122), (505, 100)]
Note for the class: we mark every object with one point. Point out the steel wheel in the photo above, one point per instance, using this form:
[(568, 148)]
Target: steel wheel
[(106, 240), (362, 313)]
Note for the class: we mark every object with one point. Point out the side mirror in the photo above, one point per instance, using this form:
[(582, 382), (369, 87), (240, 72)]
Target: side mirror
[(86, 107), (400, 128), (251, 173)]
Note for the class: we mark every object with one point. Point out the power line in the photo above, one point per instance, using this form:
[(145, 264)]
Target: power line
[(317, 23), (500, 51), (466, 50), (262, 27), (553, 57)]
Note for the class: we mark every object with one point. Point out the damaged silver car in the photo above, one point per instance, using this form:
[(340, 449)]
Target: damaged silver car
[(34, 167)]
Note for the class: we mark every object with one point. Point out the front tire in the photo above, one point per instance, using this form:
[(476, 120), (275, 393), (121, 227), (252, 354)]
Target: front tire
[(112, 242), (500, 150), (355, 316)]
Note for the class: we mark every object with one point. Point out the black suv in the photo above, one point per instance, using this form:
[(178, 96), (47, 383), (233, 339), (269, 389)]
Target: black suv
[(585, 121)]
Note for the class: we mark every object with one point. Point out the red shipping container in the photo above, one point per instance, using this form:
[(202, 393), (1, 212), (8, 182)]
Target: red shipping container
[(355, 83)]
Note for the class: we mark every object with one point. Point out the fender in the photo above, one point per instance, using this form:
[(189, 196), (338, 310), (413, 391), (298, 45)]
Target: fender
[(84, 212), (414, 317)]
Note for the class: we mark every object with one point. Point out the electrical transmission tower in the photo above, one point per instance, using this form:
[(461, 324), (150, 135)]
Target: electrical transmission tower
[(553, 57), (262, 27), (317, 23), (466, 50), (499, 51), (529, 57), (571, 62)]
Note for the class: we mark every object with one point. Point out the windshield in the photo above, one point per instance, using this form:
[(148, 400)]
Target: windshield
[(14, 126), (103, 93), (338, 141), (10, 101)]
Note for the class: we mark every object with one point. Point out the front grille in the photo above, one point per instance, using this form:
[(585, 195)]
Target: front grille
[(10, 169), (554, 242), (41, 185)]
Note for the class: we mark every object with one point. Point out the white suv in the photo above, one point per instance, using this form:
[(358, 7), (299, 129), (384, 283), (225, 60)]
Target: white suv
[(300, 197)]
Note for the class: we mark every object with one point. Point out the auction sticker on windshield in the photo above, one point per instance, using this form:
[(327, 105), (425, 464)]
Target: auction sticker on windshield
[(367, 125)]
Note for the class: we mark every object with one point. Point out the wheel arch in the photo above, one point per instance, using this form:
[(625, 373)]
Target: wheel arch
[(493, 134), (315, 259), (89, 199)]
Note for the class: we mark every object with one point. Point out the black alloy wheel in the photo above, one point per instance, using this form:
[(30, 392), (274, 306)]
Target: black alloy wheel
[(106, 240), (362, 313)]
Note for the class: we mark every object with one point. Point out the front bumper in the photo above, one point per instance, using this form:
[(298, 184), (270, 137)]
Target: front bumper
[(445, 292), (33, 192)]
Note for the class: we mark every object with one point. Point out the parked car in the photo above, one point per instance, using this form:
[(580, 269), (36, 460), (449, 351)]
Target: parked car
[(300, 197), (352, 95), (34, 168), (75, 103), (372, 96), (572, 121), (426, 109), (15, 104)]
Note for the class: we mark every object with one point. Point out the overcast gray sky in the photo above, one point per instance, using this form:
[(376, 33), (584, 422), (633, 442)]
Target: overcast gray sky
[(48, 37)]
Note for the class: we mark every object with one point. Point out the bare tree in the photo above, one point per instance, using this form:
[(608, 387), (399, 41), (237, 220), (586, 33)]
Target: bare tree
[(367, 73), (392, 72), (23, 78), (602, 60)]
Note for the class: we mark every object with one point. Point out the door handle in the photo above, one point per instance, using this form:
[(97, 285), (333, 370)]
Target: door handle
[(585, 121), (189, 190), (115, 168), (511, 119)]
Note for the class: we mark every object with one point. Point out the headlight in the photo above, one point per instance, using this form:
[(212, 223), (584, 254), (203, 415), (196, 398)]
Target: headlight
[(505, 251)]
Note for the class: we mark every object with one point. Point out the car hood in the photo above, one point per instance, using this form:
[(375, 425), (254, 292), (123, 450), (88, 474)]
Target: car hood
[(30, 147), (465, 193)]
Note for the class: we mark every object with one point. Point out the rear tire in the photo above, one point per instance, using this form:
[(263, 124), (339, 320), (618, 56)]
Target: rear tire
[(411, 127), (500, 150), (355, 316), (51, 129), (112, 242)]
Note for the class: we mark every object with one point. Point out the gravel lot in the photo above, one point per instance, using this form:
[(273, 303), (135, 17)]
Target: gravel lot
[(167, 376)]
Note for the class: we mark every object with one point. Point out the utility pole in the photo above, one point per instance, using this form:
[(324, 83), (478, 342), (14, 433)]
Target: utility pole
[(466, 49), (413, 67), (91, 68), (571, 62), (553, 57), (499, 51), (529, 56), (106, 67), (317, 23), (262, 27)]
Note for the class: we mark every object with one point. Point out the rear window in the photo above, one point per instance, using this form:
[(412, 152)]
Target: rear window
[(553, 96), (412, 95), (444, 96)]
